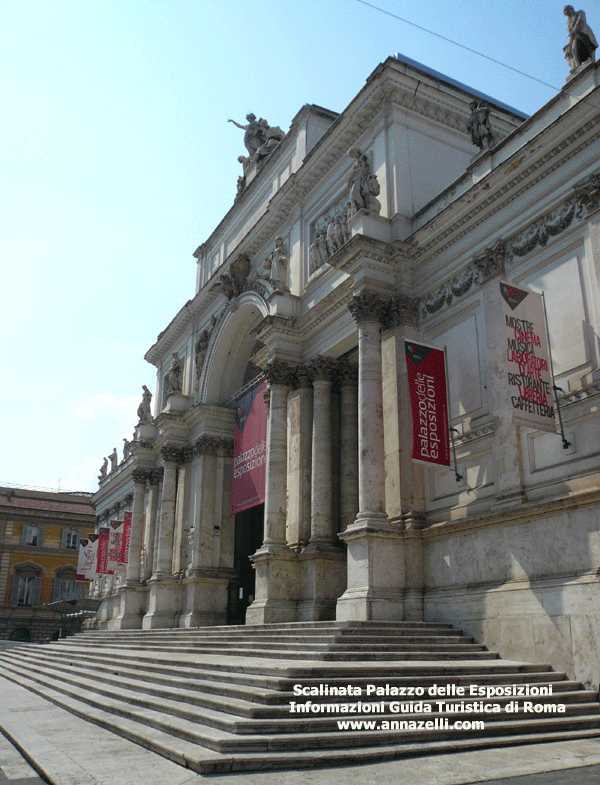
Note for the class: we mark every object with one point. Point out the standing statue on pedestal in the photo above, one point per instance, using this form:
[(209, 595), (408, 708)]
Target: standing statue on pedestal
[(479, 125), (103, 470), (582, 42), (114, 459), (363, 185), (252, 135), (174, 376), (144, 411), (126, 449)]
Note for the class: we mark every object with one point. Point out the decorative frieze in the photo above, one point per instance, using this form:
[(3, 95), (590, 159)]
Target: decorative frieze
[(474, 435)]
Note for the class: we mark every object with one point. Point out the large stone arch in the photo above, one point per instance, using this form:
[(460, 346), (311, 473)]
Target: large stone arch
[(231, 347)]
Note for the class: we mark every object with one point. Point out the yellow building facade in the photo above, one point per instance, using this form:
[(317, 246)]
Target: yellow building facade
[(39, 544)]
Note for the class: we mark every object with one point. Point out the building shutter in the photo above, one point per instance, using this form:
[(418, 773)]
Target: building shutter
[(40, 536), (37, 592), (14, 591), (56, 584), (63, 538), (24, 534)]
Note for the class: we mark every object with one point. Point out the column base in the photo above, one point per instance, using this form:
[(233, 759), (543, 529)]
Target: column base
[(376, 572), (132, 608), (276, 586), (205, 602), (163, 605), (322, 574)]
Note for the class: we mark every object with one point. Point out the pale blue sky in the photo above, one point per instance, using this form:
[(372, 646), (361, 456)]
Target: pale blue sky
[(117, 162)]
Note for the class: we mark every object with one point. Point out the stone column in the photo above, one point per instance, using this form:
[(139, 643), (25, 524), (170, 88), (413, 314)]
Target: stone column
[(274, 562), (375, 557), (299, 460), (140, 477), (164, 559), (154, 480), (368, 311), (278, 376), (322, 372), (348, 444), (163, 601)]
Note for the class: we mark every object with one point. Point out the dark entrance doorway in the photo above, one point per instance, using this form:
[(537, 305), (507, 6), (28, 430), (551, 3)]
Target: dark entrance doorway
[(248, 539)]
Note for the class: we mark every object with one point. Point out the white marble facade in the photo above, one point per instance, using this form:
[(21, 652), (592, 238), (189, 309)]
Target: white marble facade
[(352, 528)]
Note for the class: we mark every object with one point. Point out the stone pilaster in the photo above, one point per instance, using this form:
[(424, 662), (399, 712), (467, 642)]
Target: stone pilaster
[(375, 558), (153, 499), (274, 562)]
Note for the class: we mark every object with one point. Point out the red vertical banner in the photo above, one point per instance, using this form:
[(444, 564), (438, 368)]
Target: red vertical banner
[(124, 557), (249, 450), (103, 543), (426, 368), (115, 545)]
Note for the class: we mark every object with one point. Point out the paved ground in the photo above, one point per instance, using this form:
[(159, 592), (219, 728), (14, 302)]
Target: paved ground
[(68, 751)]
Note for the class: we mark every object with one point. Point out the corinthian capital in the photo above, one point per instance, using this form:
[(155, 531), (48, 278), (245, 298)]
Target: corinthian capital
[(322, 368), (369, 307), (279, 372), (172, 453)]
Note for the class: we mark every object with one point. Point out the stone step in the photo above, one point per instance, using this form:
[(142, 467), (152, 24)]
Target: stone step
[(194, 694), (346, 640), (188, 726)]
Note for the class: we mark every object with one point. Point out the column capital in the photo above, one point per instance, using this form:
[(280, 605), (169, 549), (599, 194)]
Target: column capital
[(207, 445), (369, 307), (347, 374), (322, 369), (279, 372), (140, 476), (155, 475), (173, 454), (404, 310)]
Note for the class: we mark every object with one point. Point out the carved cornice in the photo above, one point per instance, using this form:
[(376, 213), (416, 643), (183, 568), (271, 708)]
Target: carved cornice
[(474, 435), (498, 199), (370, 307), (540, 231), (579, 395)]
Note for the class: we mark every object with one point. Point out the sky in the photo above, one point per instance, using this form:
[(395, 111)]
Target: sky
[(117, 162)]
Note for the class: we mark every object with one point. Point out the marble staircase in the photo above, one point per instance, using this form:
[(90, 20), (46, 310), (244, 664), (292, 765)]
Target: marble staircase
[(218, 699)]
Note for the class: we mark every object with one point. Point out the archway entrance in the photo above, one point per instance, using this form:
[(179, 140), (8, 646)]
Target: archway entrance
[(249, 526)]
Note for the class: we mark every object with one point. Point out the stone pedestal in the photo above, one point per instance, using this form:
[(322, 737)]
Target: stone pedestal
[(132, 608), (204, 601), (370, 224), (276, 586), (322, 577), (176, 403), (163, 604)]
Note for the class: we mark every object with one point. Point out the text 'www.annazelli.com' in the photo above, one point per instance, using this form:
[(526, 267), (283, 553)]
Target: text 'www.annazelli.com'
[(440, 723)]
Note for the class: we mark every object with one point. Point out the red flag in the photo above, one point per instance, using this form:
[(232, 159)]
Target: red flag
[(426, 369)]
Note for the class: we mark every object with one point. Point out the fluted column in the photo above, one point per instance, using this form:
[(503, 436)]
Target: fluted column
[(140, 476), (278, 375), (348, 444), (205, 520), (164, 558), (322, 372), (368, 310), (300, 460), (150, 538)]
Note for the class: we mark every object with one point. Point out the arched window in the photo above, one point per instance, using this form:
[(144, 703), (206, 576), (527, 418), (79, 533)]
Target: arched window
[(26, 586)]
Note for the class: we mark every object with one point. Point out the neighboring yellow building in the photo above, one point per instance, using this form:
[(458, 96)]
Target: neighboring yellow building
[(39, 545)]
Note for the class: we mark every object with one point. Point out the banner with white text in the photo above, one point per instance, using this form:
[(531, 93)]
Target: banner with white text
[(426, 368), (103, 543), (115, 545), (88, 558), (529, 381), (249, 450)]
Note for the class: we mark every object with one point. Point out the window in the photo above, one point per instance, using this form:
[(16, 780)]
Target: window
[(32, 536), (26, 588), (70, 539), (65, 587)]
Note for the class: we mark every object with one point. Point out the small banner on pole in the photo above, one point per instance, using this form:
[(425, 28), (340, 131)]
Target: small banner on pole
[(115, 545), (88, 558), (426, 367), (529, 380), (124, 557), (103, 543), (249, 450)]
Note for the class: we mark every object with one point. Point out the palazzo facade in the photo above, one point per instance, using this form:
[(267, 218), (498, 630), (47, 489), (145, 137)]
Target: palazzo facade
[(349, 234)]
